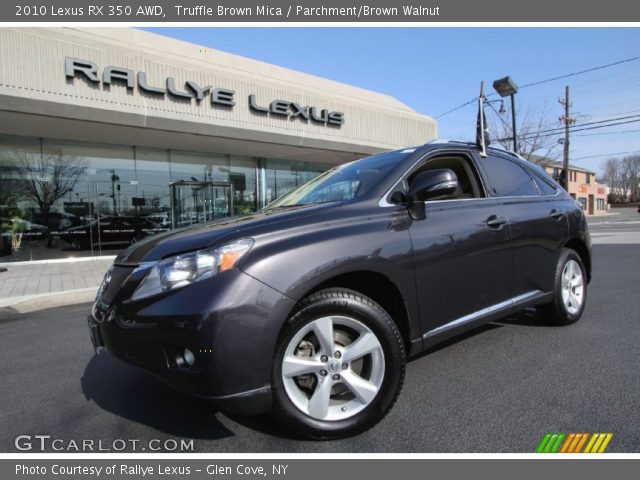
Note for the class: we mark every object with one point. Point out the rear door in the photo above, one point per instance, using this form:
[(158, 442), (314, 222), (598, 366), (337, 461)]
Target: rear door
[(462, 259), (537, 214)]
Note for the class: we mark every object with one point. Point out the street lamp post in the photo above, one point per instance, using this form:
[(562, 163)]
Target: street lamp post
[(507, 87)]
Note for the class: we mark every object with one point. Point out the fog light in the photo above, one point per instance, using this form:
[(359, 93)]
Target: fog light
[(186, 359)]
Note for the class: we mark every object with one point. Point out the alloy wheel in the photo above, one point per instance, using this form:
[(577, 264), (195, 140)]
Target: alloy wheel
[(333, 368), (572, 287)]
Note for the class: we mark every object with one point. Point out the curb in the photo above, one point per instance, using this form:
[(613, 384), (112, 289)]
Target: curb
[(57, 260), (43, 301)]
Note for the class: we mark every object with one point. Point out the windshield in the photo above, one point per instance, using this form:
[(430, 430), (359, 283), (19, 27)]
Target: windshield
[(344, 182)]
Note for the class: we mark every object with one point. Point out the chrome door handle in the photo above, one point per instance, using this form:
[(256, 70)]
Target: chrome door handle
[(496, 222), (556, 214)]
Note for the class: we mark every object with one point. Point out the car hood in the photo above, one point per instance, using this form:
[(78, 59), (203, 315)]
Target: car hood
[(191, 238)]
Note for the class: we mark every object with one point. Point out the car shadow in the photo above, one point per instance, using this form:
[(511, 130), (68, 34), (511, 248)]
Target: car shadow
[(135, 395), (525, 318), (265, 424), (457, 339)]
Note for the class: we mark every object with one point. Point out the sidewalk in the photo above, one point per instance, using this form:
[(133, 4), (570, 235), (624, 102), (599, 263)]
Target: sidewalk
[(33, 280)]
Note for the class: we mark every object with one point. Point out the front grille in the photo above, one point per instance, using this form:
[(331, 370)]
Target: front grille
[(119, 275)]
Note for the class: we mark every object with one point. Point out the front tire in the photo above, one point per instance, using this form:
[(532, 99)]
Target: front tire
[(569, 293), (339, 365)]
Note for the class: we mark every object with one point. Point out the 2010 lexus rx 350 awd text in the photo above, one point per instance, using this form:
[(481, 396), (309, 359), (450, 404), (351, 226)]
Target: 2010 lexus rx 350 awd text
[(310, 307)]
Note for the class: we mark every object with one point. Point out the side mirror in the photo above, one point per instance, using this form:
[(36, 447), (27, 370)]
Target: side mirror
[(430, 184)]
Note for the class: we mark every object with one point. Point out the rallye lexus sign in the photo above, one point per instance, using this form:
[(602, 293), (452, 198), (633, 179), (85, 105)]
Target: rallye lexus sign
[(224, 97)]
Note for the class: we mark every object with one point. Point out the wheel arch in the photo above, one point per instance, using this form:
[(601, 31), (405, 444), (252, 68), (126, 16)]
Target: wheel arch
[(580, 247), (382, 290)]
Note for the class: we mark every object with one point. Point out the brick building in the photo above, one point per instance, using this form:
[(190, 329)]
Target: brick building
[(583, 187)]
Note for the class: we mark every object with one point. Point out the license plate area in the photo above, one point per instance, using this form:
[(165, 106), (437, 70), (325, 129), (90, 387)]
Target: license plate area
[(96, 336)]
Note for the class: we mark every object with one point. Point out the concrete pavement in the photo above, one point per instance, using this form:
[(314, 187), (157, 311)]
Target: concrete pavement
[(620, 227), (38, 280)]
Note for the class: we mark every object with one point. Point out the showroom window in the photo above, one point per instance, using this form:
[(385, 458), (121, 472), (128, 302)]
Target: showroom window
[(60, 199), (243, 177), (282, 176)]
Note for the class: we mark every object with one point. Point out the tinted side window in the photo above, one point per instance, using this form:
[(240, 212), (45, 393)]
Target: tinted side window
[(546, 187), (507, 178)]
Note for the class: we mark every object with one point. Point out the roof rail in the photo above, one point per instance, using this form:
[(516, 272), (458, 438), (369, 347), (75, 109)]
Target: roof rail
[(446, 140), (510, 152)]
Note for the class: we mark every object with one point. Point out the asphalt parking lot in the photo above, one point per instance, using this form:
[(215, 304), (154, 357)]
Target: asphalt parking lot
[(498, 389)]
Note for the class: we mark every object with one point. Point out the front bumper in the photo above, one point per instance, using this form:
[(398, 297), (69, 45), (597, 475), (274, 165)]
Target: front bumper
[(230, 323)]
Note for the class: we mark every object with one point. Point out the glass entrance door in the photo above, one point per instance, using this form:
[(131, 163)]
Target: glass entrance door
[(200, 202)]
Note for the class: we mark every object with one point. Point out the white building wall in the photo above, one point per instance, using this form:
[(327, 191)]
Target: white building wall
[(32, 73)]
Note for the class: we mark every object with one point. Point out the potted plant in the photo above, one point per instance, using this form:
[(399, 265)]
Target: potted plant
[(12, 229)]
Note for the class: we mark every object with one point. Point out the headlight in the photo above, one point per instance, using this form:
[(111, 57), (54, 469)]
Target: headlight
[(182, 270)]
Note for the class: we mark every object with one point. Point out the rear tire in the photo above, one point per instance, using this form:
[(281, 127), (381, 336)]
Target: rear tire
[(569, 291), (339, 366)]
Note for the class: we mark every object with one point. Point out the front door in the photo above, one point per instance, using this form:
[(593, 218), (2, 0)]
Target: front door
[(463, 261), (200, 202)]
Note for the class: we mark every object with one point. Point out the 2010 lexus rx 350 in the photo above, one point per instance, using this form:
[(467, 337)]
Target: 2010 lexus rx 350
[(310, 307)]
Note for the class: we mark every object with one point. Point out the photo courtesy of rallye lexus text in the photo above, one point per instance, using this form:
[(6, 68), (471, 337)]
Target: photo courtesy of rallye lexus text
[(310, 307)]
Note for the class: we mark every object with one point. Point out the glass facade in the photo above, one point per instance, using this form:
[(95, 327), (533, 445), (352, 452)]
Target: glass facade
[(281, 176), (61, 199)]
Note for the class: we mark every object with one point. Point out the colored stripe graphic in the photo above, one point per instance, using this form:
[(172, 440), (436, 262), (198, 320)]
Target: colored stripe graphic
[(550, 443), (573, 442), (568, 442), (598, 443), (543, 443), (581, 443), (605, 444)]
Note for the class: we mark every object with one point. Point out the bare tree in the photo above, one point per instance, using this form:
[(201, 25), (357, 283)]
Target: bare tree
[(630, 175), (611, 176), (46, 178), (532, 127), (623, 176)]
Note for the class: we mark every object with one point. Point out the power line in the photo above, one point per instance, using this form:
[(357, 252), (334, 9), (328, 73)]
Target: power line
[(560, 130), (615, 132), (606, 155), (533, 84), (600, 126), (473, 100), (540, 82), (556, 130)]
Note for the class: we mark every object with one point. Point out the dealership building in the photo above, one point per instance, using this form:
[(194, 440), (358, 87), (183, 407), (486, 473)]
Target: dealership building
[(107, 134)]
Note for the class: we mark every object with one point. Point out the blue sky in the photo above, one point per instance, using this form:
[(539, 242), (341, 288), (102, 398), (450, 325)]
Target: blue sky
[(435, 69)]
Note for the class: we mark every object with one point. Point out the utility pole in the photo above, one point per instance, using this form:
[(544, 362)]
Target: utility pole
[(568, 120)]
